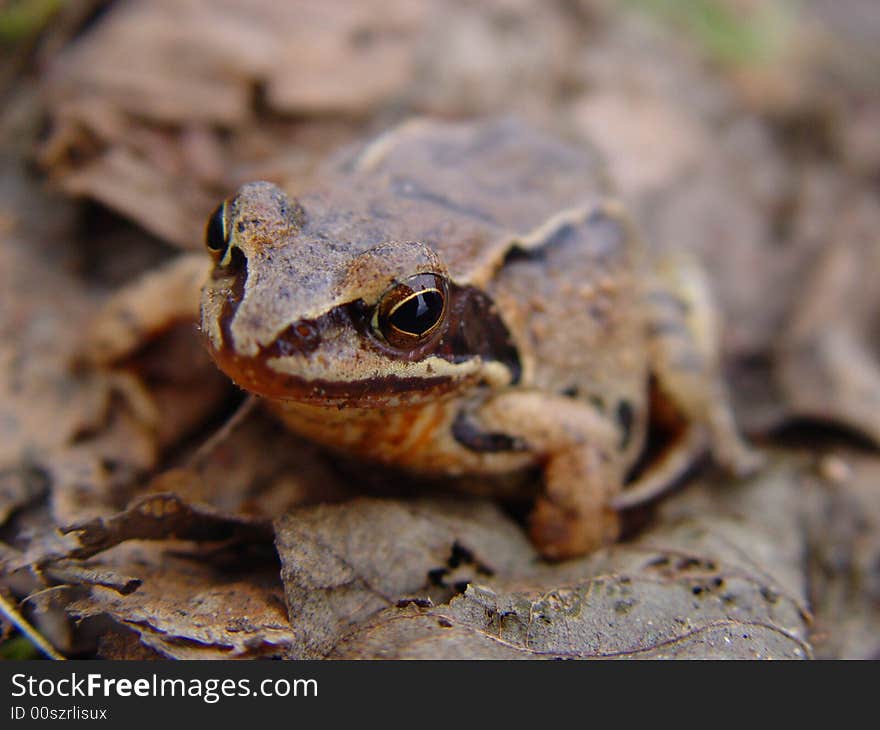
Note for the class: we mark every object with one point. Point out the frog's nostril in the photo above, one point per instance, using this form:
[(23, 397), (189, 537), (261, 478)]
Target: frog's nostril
[(300, 338), (305, 331)]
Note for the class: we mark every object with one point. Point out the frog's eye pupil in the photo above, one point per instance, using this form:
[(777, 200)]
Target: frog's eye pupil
[(417, 314), (215, 232)]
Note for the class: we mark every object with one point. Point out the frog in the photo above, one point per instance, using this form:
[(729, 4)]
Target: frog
[(471, 298)]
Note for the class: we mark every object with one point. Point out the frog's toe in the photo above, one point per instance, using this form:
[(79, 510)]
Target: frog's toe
[(560, 533)]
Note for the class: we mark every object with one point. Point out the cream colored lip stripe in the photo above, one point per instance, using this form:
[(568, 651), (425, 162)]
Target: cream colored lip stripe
[(494, 372)]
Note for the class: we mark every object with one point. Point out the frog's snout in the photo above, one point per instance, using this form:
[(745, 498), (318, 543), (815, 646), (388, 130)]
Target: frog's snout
[(261, 213)]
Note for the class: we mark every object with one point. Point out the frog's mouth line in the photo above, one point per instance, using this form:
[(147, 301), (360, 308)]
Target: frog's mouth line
[(254, 375)]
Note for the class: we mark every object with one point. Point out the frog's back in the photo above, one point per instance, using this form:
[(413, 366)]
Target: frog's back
[(577, 303), (530, 219), (526, 218), (468, 190)]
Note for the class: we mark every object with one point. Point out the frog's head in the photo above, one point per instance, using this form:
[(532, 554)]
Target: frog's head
[(290, 312)]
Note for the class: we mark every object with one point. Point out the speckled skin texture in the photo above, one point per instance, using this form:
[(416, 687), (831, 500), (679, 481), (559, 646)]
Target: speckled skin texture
[(552, 327)]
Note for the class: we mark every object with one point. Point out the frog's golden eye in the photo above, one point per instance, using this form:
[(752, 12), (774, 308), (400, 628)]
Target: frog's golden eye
[(215, 231), (410, 312)]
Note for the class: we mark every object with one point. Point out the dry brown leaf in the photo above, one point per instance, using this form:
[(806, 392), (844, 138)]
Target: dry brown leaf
[(20, 486), (223, 95), (187, 609), (341, 564), (828, 365), (160, 517), (717, 577), (70, 573), (843, 521), (593, 620), (64, 425), (158, 121), (42, 310)]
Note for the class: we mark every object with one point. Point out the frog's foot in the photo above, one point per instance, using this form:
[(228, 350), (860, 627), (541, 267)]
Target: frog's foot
[(686, 361), (571, 518), (582, 470), (668, 469)]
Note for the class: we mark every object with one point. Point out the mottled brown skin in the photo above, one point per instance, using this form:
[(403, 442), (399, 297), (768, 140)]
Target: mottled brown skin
[(551, 330)]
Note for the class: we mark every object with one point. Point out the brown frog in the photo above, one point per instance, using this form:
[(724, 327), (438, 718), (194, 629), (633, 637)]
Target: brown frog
[(469, 299)]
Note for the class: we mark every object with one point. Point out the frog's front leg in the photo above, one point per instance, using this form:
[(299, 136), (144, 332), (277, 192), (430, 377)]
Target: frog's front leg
[(133, 316), (144, 308), (576, 446), (686, 362)]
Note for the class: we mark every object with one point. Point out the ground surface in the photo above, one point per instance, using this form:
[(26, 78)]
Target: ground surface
[(740, 130)]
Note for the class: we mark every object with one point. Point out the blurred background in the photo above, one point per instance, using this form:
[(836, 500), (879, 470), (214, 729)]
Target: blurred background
[(744, 131)]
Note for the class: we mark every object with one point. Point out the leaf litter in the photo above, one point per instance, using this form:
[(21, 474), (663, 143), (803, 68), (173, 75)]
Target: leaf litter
[(121, 537)]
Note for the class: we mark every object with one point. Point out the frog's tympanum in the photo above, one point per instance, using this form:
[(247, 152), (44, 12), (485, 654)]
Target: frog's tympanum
[(468, 299)]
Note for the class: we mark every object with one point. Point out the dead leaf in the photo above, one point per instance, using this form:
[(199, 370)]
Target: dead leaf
[(163, 516), (343, 563), (185, 609), (580, 622), (158, 121), (827, 360), (19, 487), (71, 573), (843, 521), (696, 585)]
